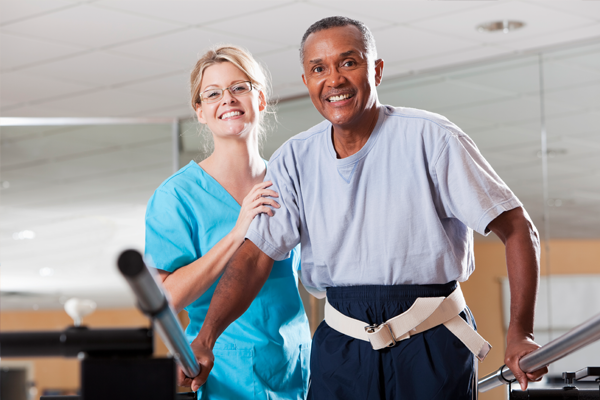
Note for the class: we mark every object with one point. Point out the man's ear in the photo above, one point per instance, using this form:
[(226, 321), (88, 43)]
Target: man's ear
[(262, 101), (199, 114), (304, 80), (378, 71)]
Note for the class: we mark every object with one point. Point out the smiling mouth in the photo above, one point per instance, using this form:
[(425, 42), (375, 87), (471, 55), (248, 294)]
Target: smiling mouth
[(340, 97), (231, 114)]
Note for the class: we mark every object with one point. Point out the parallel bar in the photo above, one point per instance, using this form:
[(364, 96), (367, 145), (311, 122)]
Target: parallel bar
[(153, 302), (575, 339)]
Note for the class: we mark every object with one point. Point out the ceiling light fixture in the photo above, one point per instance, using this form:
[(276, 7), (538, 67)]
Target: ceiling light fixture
[(26, 234), (503, 26), (46, 271)]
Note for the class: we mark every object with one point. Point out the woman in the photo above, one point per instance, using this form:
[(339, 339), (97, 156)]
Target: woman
[(197, 219)]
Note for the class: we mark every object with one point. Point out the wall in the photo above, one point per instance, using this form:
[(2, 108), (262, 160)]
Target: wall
[(483, 290)]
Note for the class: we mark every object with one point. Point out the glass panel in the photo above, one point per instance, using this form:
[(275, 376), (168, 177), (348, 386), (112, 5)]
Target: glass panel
[(73, 197), (572, 101), (497, 105)]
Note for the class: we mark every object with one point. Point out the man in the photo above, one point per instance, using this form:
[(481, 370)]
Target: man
[(383, 201)]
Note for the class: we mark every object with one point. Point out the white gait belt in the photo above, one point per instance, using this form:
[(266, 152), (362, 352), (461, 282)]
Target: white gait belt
[(424, 314)]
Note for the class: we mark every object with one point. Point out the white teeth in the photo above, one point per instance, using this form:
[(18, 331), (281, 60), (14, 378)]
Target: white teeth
[(231, 114), (333, 99)]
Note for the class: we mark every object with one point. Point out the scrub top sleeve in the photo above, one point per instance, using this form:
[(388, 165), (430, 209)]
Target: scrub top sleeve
[(276, 236), (169, 243), (469, 188)]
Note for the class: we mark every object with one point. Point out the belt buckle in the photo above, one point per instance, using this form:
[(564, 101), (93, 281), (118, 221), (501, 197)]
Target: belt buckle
[(371, 329)]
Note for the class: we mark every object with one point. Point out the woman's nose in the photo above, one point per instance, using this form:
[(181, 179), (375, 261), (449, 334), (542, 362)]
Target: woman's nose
[(227, 97)]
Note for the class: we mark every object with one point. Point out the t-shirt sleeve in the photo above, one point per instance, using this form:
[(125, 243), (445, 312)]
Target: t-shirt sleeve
[(469, 189), (169, 243), (276, 236)]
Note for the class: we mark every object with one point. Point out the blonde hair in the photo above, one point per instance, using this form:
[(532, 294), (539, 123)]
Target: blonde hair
[(242, 59)]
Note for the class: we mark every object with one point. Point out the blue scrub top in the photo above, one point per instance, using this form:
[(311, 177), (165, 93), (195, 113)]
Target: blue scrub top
[(265, 353)]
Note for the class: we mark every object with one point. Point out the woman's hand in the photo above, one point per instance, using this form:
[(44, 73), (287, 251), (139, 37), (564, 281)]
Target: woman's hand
[(254, 203)]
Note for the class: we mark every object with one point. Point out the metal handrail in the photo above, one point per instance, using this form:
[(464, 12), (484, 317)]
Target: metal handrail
[(575, 339), (153, 302)]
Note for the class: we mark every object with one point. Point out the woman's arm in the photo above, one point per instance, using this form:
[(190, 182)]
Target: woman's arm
[(188, 283)]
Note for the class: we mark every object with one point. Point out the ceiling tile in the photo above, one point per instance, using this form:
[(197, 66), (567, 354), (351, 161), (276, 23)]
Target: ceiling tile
[(587, 9), (399, 11), (396, 44), (20, 51), (556, 37), (114, 103), (13, 84), (284, 67), (451, 58), (90, 27), (175, 87), (284, 25), (538, 19), (19, 10), (192, 12), (197, 41), (102, 69)]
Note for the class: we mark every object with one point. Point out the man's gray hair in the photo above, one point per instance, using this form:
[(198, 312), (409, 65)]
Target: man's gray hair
[(338, 21)]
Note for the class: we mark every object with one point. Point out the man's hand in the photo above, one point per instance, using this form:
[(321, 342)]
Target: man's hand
[(206, 360), (515, 350)]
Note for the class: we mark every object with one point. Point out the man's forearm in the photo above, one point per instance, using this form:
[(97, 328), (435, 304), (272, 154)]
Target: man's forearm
[(244, 276), (522, 259), (520, 237)]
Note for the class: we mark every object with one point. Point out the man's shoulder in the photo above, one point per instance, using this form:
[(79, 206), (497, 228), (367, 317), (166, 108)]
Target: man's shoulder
[(425, 119), (301, 142)]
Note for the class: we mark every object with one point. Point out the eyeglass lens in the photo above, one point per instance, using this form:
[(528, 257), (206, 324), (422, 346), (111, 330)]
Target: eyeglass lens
[(212, 95)]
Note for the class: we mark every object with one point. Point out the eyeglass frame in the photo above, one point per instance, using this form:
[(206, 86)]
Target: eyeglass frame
[(223, 91)]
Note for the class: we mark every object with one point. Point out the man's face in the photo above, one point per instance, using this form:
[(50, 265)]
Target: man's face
[(340, 77)]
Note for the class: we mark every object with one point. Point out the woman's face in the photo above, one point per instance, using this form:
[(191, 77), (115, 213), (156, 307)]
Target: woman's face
[(231, 115)]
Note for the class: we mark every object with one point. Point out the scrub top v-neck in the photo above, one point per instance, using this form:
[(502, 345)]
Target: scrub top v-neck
[(265, 353)]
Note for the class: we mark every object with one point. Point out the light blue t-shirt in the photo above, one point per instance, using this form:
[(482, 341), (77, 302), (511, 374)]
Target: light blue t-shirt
[(265, 353), (399, 211)]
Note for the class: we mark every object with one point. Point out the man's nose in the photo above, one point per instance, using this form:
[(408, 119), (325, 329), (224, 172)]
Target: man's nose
[(336, 78)]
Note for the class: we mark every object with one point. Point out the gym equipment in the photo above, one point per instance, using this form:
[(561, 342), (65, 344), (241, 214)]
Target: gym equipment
[(116, 363), (575, 339)]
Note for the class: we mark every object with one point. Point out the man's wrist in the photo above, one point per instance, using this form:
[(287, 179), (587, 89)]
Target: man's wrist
[(518, 333), (205, 340)]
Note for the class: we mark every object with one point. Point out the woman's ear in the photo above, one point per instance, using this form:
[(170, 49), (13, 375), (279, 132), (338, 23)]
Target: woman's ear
[(262, 101), (199, 114)]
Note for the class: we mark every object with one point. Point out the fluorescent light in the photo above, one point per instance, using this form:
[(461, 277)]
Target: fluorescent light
[(46, 271), (26, 234)]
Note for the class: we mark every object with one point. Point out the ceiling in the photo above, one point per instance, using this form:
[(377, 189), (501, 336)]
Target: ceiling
[(68, 58), (82, 190)]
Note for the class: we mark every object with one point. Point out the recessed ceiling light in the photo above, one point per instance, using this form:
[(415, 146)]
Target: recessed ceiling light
[(26, 234), (46, 271), (504, 26)]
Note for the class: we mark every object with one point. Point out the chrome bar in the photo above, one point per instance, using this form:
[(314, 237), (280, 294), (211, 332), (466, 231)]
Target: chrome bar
[(153, 302), (575, 339)]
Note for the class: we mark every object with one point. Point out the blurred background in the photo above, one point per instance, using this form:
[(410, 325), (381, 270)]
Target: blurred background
[(94, 115)]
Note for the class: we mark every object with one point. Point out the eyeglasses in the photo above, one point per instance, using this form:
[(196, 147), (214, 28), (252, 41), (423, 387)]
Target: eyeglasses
[(215, 94)]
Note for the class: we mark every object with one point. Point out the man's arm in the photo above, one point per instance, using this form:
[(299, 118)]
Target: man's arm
[(517, 232), (244, 276)]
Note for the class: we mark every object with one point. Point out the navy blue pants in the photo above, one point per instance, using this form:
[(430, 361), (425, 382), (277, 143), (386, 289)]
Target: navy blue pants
[(431, 365)]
